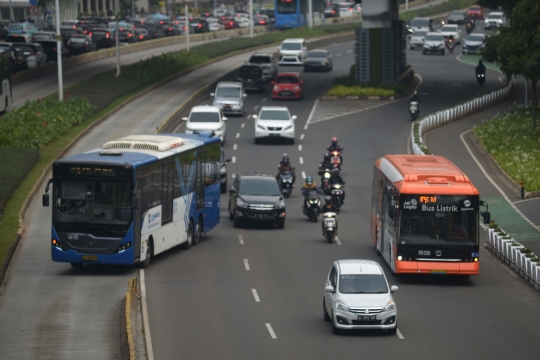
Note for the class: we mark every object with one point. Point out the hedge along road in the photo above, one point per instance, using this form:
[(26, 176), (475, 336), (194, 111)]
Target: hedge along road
[(63, 313)]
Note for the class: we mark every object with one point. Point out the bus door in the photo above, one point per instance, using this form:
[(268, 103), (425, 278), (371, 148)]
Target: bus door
[(137, 213), (388, 220), (201, 184)]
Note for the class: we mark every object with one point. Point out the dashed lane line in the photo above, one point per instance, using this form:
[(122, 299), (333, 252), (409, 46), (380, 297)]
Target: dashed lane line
[(301, 160), (303, 174), (235, 146), (255, 295), (338, 242), (400, 335), (241, 239), (263, 99), (349, 51), (256, 107), (237, 135), (299, 147), (302, 137), (234, 159), (243, 124), (305, 127), (246, 264), (271, 331)]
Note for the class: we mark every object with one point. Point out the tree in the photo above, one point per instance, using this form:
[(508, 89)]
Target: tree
[(507, 5), (516, 48)]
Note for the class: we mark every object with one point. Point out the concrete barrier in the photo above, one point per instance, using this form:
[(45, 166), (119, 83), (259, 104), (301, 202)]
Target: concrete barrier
[(131, 346)]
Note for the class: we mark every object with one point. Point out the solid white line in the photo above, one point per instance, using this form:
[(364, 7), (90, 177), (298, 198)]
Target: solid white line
[(271, 331), (246, 264), (303, 174), (305, 127), (147, 337), (256, 107), (302, 137), (301, 160), (520, 201), (311, 113), (236, 146), (237, 135), (263, 99), (337, 241), (299, 147), (255, 295), (241, 239), (243, 124), (233, 159), (400, 335)]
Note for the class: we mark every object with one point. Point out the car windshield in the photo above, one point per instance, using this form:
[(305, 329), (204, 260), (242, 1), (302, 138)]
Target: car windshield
[(259, 187), (77, 40), (420, 23), (206, 117), (286, 80), (449, 29), (419, 33), (233, 92), (16, 27), (250, 72), (475, 38), (495, 16), (362, 284), (457, 13), (317, 54), (260, 59), (291, 46), (43, 37), (434, 38), (274, 115)]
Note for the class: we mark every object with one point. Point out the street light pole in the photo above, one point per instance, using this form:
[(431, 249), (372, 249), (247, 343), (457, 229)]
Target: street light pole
[(58, 52), (117, 41), (132, 8), (250, 18), (310, 14), (188, 27), (406, 4)]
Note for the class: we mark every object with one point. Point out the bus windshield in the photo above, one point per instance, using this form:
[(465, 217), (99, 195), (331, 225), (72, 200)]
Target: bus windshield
[(286, 6), (438, 220)]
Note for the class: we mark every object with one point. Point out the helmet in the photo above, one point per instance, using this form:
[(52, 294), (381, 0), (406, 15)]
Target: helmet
[(335, 171), (328, 200), (327, 157), (334, 140), (285, 157), (480, 62), (309, 180)]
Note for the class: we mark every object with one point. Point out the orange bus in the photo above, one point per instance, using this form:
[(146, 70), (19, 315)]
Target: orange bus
[(425, 216)]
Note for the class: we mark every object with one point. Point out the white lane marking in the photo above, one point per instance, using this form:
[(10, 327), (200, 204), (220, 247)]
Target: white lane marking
[(311, 113), (299, 147), (246, 264), (492, 181), (400, 335), (236, 146), (147, 337), (520, 201), (349, 51), (243, 124), (338, 242), (301, 160), (263, 99), (302, 137), (271, 331), (305, 127), (457, 85), (255, 295), (338, 55), (233, 175), (256, 107), (303, 174), (237, 135), (233, 159), (241, 239)]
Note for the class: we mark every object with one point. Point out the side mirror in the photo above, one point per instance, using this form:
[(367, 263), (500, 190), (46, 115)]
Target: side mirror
[(330, 289), (232, 191), (254, 117), (486, 216), (294, 117), (394, 288), (134, 202), (45, 200), (244, 95), (228, 160), (212, 94), (184, 118), (224, 118)]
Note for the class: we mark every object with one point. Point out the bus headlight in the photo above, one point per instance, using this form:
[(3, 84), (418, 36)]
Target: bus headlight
[(390, 306), (123, 247)]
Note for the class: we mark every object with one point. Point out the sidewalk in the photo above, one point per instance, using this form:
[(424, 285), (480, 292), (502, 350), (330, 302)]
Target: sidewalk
[(453, 141)]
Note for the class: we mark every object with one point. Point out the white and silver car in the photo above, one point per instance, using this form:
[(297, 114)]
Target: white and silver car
[(417, 39), (474, 43), (292, 52), (229, 97), (206, 119), (453, 30), (346, 9), (274, 122), (434, 43), (494, 20), (214, 24), (357, 296)]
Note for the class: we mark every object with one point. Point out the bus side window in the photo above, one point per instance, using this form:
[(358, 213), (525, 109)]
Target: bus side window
[(144, 179), (156, 183)]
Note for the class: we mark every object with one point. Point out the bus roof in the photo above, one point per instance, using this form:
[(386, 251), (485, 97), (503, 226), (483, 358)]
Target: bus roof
[(137, 150), (418, 174)]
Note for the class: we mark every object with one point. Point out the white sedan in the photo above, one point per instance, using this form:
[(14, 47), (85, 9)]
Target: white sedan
[(214, 24), (242, 20), (453, 30), (274, 122)]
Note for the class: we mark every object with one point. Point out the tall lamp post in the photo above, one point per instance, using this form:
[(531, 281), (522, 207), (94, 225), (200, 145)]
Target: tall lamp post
[(117, 41), (250, 18), (59, 52)]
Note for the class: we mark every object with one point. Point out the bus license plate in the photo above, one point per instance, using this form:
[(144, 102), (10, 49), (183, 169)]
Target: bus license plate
[(442, 272), (366, 317), (89, 258)]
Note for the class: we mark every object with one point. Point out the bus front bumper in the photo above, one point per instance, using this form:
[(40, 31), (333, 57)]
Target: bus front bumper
[(437, 267), (71, 256)]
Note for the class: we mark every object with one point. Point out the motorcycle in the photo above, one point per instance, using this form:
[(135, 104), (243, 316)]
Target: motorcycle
[(325, 178), (337, 196), (414, 110), (312, 206), (330, 226), (469, 28), (481, 79), (336, 159), (450, 45), (285, 183)]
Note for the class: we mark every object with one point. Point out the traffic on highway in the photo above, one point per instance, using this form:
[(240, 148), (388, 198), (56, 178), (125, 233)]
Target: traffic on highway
[(270, 222)]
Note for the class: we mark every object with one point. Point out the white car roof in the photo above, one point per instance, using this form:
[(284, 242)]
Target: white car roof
[(496, 13), (274, 108), (230, 84), (357, 267), (205, 108), (293, 40), (450, 25), (433, 33)]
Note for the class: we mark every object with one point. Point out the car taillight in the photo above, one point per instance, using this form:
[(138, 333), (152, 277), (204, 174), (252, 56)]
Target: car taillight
[(231, 23), (54, 49), (170, 29), (261, 22), (200, 25), (184, 28), (107, 35), (333, 11), (350, 9), (85, 31), (74, 27), (141, 37), (161, 22), (130, 35), (90, 34)]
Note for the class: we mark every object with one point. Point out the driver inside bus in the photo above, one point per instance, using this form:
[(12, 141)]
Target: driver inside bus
[(79, 208)]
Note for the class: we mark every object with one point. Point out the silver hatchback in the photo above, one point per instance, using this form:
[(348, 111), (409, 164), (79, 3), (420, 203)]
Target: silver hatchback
[(357, 296), (229, 97)]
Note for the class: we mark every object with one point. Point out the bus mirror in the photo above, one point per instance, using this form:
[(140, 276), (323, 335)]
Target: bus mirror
[(135, 202), (45, 200), (392, 211), (486, 215)]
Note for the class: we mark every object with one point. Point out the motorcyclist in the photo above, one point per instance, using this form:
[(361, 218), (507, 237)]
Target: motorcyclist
[(308, 187), (285, 165), (469, 20), (335, 147), (326, 164), (328, 207), (336, 179), (450, 40), (415, 98), (480, 69)]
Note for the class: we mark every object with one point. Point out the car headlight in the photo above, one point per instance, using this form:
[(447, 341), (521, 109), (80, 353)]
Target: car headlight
[(241, 203), (340, 305), (276, 88), (261, 127), (390, 306), (280, 204), (296, 88), (287, 127)]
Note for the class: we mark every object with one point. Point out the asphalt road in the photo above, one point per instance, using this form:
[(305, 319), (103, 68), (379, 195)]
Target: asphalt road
[(202, 303)]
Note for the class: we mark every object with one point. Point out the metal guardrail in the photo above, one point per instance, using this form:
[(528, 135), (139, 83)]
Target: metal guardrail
[(443, 117)]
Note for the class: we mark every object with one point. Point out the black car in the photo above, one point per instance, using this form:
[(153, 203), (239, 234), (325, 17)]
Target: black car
[(223, 171), (268, 12), (318, 59), (18, 61), (251, 77), (80, 44), (50, 48), (198, 26), (331, 10), (67, 31), (141, 34), (256, 197), (103, 37), (169, 29), (126, 36)]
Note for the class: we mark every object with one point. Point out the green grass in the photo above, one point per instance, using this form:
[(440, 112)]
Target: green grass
[(342, 90), (14, 166), (436, 9), (510, 140)]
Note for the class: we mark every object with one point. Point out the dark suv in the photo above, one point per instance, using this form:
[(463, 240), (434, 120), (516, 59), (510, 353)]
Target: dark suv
[(268, 64), (256, 197), (252, 77)]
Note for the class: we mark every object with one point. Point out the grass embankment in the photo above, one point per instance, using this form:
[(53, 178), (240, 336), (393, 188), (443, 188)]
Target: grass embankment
[(104, 92), (437, 9), (510, 141)]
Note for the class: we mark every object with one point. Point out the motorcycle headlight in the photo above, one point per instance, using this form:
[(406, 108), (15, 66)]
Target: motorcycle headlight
[(390, 306), (327, 175), (280, 204), (261, 127), (241, 203), (340, 305), (287, 127), (337, 186)]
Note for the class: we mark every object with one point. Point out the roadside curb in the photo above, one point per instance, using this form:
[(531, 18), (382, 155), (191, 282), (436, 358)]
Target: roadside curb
[(131, 324)]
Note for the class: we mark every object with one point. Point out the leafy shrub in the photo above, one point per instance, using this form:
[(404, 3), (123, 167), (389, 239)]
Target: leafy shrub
[(437, 9), (14, 165), (509, 139), (342, 90), (38, 122)]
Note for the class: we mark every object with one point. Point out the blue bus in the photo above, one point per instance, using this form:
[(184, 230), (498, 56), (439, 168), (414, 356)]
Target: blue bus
[(134, 198), (290, 13)]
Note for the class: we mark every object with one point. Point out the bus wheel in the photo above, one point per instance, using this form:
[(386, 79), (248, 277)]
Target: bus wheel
[(198, 233), (149, 254), (189, 242), (77, 265)]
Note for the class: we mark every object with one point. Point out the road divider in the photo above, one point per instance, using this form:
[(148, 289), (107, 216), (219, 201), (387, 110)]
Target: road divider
[(131, 343)]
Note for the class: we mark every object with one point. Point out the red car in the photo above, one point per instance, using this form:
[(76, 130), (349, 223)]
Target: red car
[(288, 86), (229, 23), (476, 12)]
